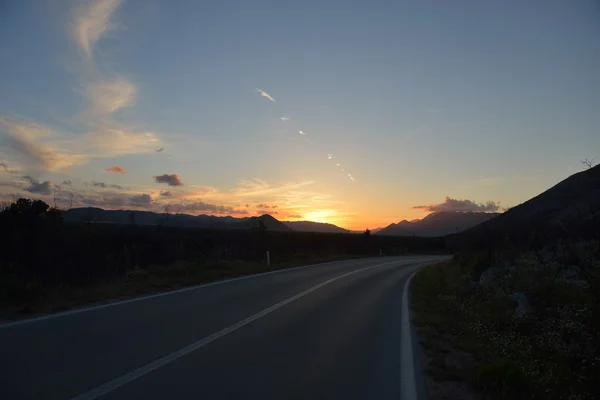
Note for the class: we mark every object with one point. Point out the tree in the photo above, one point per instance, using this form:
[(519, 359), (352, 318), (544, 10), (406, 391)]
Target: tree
[(367, 233), (589, 163), (26, 208)]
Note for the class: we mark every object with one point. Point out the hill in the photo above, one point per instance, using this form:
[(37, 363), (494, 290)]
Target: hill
[(437, 224), (310, 226), (571, 207), (129, 217)]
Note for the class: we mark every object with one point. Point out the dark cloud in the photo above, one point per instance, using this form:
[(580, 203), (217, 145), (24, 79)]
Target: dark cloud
[(270, 212), (115, 201), (117, 169), (462, 205), (67, 183), (141, 199), (166, 193), (159, 150), (36, 186), (200, 206), (265, 206), (105, 186), (169, 179)]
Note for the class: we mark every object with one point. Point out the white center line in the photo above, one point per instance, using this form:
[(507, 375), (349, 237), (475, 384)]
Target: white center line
[(135, 374)]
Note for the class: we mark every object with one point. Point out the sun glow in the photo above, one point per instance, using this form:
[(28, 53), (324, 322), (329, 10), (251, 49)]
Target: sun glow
[(326, 216)]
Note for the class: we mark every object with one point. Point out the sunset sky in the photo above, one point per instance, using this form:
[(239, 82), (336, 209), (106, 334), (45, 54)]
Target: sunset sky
[(357, 113)]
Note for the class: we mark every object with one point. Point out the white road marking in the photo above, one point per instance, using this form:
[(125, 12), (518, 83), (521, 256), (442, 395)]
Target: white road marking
[(152, 296), (133, 375), (408, 383)]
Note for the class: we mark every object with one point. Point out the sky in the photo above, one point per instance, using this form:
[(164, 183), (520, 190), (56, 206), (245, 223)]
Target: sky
[(357, 113)]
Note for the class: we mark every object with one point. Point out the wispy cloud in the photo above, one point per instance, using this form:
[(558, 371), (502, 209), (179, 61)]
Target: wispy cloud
[(166, 193), (91, 21), (6, 169), (26, 140), (462, 205), (106, 97), (285, 118), (159, 150), (113, 141), (169, 179), (258, 187), (265, 94), (39, 148), (117, 169)]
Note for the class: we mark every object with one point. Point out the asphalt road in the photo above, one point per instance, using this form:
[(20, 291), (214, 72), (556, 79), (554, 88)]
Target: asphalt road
[(321, 332)]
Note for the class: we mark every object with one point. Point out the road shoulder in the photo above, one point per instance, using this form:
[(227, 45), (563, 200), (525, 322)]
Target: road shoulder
[(439, 350)]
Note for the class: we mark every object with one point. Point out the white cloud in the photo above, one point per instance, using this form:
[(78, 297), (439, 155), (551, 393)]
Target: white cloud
[(265, 94), (285, 118), (329, 156), (91, 21), (302, 133)]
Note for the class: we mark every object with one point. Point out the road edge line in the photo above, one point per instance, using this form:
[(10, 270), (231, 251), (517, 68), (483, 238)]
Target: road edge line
[(408, 378)]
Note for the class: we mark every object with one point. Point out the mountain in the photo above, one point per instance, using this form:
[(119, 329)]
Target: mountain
[(439, 223), (126, 217), (309, 226), (571, 206)]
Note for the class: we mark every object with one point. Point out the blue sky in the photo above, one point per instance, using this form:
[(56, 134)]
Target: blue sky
[(418, 100)]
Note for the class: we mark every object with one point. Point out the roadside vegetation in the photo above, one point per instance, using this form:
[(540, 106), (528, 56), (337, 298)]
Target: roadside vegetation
[(518, 324), (48, 265)]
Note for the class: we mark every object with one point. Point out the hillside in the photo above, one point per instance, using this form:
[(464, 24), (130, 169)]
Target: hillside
[(310, 226), (129, 217), (572, 206), (437, 224)]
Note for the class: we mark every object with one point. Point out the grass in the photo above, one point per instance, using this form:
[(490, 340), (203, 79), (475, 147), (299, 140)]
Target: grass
[(27, 298), (473, 335)]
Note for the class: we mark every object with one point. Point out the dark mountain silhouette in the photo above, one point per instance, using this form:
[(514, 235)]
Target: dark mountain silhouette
[(571, 206), (437, 224), (128, 217), (310, 226)]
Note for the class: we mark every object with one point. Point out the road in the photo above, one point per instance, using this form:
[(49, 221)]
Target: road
[(319, 332)]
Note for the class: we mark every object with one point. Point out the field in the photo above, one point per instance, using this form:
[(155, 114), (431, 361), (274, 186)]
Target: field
[(46, 264)]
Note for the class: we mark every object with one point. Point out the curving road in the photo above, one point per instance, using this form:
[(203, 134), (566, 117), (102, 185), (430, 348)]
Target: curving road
[(319, 332)]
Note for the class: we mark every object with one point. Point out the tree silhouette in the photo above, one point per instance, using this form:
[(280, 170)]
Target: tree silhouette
[(26, 208), (589, 163)]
